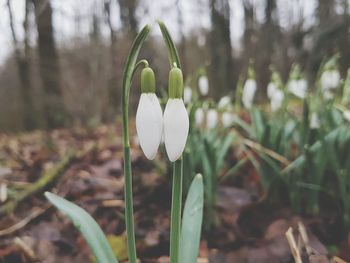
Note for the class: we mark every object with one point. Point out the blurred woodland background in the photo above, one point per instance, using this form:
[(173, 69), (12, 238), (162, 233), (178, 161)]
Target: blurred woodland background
[(61, 61)]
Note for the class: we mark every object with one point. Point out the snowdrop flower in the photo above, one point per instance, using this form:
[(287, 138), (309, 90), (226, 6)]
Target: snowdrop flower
[(330, 79), (175, 120), (227, 119), (199, 117), (347, 115), (149, 119), (224, 102), (203, 85), (314, 121), (249, 90), (271, 88), (212, 118), (276, 99), (187, 95), (328, 95), (298, 87)]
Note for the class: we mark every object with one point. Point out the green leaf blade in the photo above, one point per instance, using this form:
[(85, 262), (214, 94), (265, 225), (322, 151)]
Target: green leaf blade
[(192, 222), (87, 226), (172, 51)]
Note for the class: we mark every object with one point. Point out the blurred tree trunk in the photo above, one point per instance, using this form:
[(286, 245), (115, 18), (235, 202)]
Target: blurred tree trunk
[(267, 40), (223, 78), (128, 16), (50, 71), (249, 35), (23, 65), (322, 43), (113, 84)]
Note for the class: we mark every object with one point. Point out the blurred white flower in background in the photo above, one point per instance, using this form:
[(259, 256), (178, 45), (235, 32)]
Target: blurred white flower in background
[(212, 118), (314, 121), (347, 115), (328, 94), (224, 102), (227, 118), (276, 99), (249, 90), (271, 88), (203, 85), (187, 95), (199, 117), (330, 79), (298, 87)]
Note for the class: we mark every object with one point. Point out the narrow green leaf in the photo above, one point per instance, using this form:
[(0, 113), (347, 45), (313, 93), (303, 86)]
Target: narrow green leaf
[(87, 227), (192, 222), (172, 51)]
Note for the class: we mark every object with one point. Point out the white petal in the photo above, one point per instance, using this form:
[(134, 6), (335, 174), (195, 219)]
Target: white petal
[(271, 88), (212, 118), (298, 88), (203, 84), (314, 121), (277, 99), (176, 126), (249, 90), (347, 115), (330, 80), (187, 95), (149, 124), (199, 117), (224, 102), (227, 119)]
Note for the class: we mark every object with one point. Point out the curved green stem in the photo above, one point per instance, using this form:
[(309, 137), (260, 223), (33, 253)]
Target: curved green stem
[(128, 73), (175, 228), (138, 64)]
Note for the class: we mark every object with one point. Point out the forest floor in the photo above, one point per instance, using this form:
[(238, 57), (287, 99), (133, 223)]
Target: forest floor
[(86, 167)]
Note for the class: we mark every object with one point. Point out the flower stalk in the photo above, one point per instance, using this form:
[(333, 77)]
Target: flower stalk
[(129, 71), (175, 226)]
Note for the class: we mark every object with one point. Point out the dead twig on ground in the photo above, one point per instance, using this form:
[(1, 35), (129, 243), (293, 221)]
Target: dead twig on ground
[(28, 252), (45, 182), (19, 225)]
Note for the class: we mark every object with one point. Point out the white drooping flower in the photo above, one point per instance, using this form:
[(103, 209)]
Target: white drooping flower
[(276, 99), (227, 118), (314, 121), (224, 102), (149, 124), (203, 85), (328, 94), (271, 88), (249, 90), (175, 119), (199, 117), (187, 95), (212, 118), (330, 79), (347, 115), (176, 126), (298, 87)]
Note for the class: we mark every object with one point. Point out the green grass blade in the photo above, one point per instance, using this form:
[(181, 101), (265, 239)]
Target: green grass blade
[(87, 227), (192, 222)]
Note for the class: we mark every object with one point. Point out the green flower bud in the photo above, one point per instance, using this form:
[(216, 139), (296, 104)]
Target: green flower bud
[(175, 83), (148, 81)]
